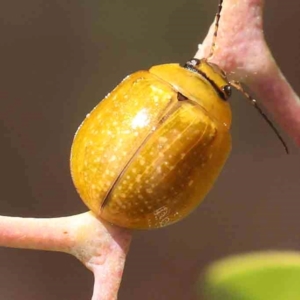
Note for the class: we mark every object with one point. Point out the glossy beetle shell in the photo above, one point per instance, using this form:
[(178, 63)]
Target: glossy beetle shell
[(147, 155)]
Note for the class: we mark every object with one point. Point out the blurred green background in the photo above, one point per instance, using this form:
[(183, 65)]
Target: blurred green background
[(253, 276), (58, 59)]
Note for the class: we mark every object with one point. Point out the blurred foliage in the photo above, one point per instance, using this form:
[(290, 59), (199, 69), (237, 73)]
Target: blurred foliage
[(257, 276)]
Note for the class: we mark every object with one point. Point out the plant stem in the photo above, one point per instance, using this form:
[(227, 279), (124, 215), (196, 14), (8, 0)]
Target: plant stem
[(241, 51), (101, 247)]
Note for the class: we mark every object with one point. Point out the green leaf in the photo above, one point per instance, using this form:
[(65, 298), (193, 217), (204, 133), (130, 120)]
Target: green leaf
[(257, 276)]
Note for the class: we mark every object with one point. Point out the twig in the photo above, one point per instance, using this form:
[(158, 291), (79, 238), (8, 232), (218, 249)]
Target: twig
[(101, 247), (241, 50)]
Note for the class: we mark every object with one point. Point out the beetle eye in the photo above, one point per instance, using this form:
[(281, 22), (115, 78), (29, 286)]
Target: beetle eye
[(227, 91)]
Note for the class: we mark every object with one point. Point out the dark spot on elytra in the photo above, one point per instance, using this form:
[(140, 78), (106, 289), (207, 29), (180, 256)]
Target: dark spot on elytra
[(181, 97)]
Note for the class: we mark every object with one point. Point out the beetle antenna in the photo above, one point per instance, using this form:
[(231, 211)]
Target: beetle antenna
[(239, 87), (218, 16)]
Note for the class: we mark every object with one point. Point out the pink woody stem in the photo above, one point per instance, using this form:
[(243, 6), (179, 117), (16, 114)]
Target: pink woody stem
[(241, 50), (101, 247), (39, 234)]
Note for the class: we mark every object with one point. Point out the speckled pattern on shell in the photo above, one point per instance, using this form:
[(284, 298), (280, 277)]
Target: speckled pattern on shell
[(112, 133), (143, 158), (170, 174)]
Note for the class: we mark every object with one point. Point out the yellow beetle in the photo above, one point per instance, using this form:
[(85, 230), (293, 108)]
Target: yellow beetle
[(147, 155)]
